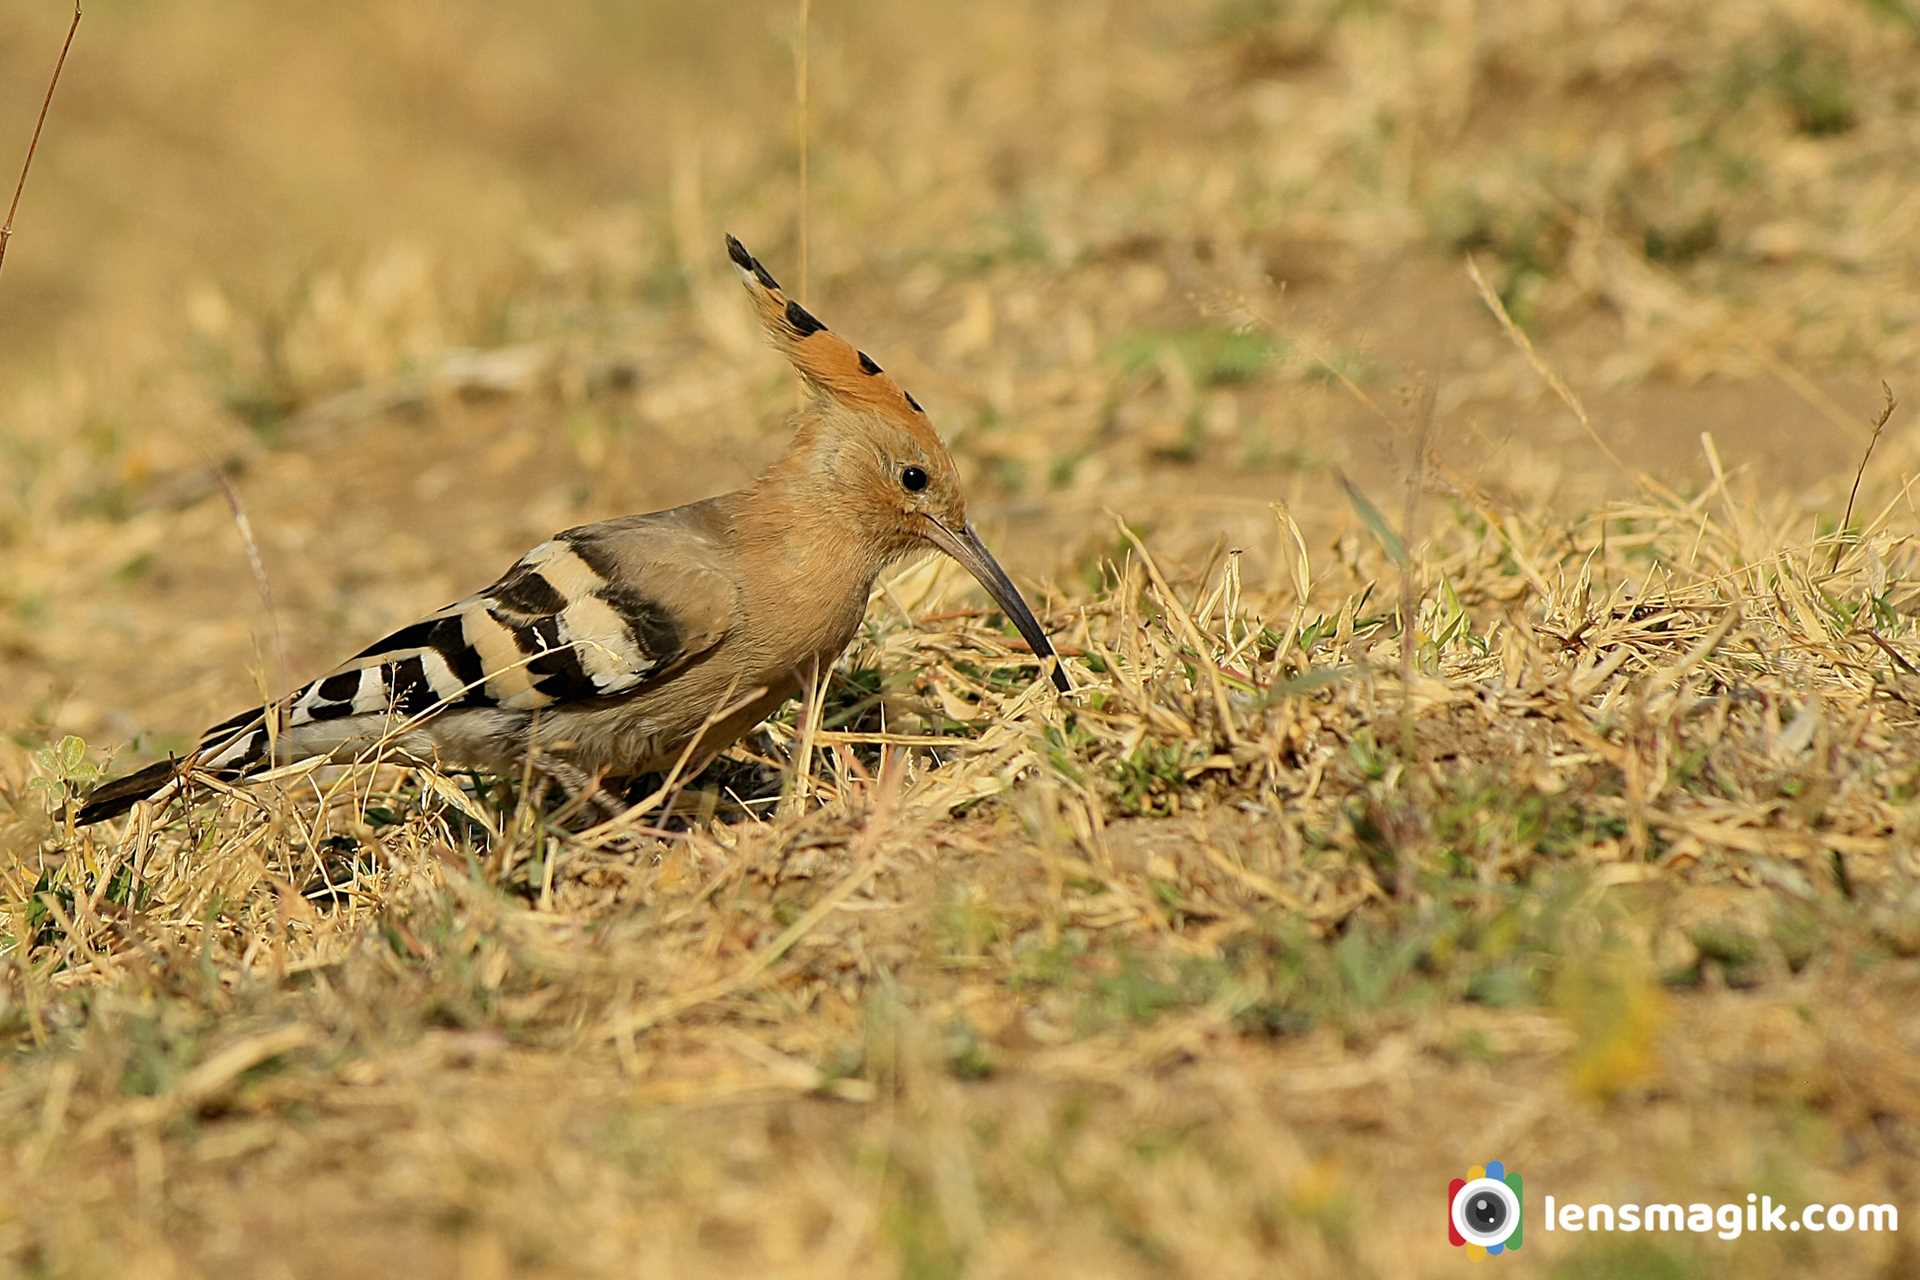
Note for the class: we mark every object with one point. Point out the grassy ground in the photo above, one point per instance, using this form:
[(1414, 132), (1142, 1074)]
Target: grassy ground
[(1430, 428)]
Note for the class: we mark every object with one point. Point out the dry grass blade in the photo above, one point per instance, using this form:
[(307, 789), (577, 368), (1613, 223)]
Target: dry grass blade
[(1846, 520), (1202, 650), (802, 74), (611, 829), (257, 566), (867, 863), (1519, 338), (40, 121), (206, 1080)]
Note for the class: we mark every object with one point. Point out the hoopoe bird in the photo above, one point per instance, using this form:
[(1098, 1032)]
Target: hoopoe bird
[(620, 648)]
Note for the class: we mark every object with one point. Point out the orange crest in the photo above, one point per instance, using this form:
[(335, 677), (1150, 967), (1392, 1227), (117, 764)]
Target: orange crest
[(832, 366)]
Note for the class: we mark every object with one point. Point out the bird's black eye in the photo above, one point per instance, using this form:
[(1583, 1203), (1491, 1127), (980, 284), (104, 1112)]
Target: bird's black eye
[(913, 479)]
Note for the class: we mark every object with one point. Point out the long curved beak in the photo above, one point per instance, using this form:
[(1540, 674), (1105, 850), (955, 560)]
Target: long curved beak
[(966, 547)]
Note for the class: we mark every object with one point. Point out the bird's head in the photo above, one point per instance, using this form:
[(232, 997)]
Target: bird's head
[(865, 448)]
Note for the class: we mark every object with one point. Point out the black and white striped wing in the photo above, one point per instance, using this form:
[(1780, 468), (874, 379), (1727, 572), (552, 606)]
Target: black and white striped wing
[(591, 614)]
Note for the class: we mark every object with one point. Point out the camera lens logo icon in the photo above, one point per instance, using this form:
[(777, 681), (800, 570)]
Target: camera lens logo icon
[(1483, 1209)]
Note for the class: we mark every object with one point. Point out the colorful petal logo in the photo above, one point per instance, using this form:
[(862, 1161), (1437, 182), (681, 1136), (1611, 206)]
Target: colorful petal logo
[(1483, 1210)]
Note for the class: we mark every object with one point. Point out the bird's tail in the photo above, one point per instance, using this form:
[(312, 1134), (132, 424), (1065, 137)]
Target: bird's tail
[(111, 799), (229, 751)]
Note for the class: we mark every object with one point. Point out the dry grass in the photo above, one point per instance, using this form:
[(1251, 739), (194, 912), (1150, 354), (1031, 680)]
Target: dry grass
[(1565, 813)]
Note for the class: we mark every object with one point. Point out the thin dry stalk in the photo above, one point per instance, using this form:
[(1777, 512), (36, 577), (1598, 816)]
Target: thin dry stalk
[(886, 792), (800, 93), (33, 144), (257, 566), (1519, 338), (597, 837), (812, 703), (1736, 524), (1247, 313), (1409, 589), (1846, 521), (1202, 651)]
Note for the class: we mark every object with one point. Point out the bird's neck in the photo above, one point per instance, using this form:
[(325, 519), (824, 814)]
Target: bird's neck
[(809, 564), (804, 541), (797, 516)]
